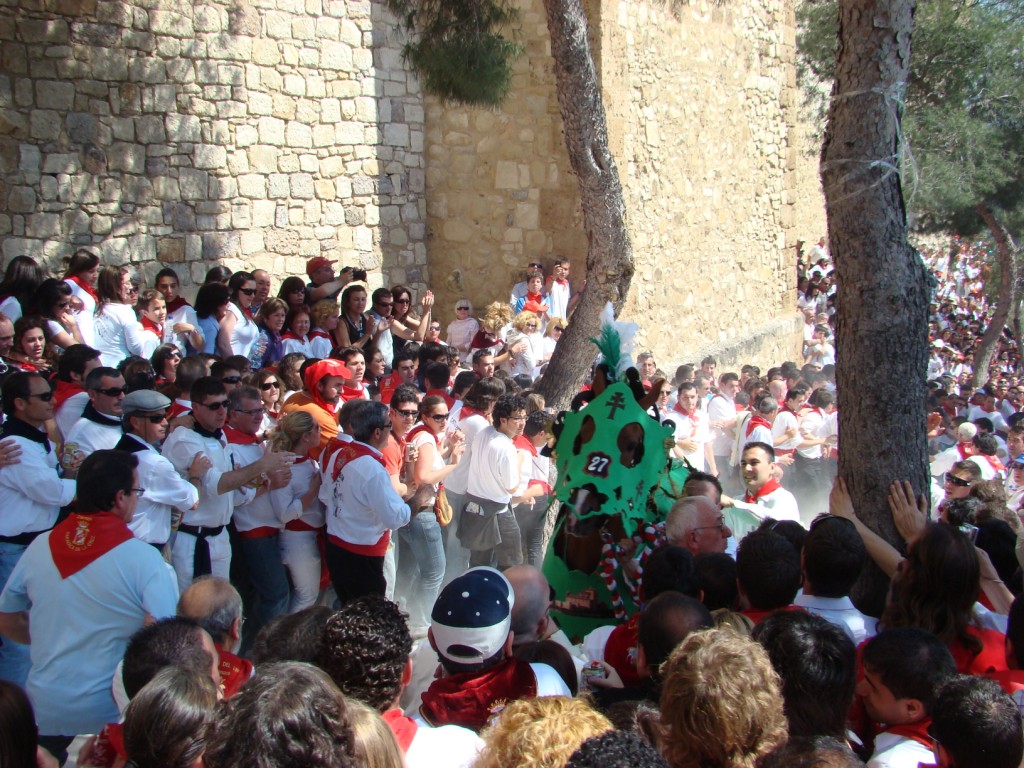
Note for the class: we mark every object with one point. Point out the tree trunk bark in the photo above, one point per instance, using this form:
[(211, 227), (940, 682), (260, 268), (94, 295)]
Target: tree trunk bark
[(882, 295), (609, 264), (1006, 250)]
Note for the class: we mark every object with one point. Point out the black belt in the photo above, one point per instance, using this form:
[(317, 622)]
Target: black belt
[(22, 539), (201, 563)]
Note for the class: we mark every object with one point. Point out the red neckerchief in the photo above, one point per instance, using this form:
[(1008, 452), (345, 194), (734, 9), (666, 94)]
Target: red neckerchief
[(620, 650), (537, 298), (523, 443), (787, 409), (468, 698), (237, 437), (176, 303), (465, 412), (81, 539), (757, 420), (966, 450), (419, 429), (764, 490), (316, 333), (757, 615), (290, 335), (149, 325), (353, 393), (694, 419), (84, 286), (448, 399), (915, 731), (63, 391), (561, 281), (995, 463), (234, 672), (350, 452), (403, 728)]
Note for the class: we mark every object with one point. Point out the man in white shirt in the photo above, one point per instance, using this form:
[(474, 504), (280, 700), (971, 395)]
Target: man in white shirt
[(560, 298), (144, 416), (493, 478), (362, 505), (832, 559), (201, 546), (69, 395), (764, 496), (31, 491), (722, 421), (99, 429)]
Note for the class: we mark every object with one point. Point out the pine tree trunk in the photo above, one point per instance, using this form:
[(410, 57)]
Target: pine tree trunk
[(609, 263), (1006, 251), (882, 296)]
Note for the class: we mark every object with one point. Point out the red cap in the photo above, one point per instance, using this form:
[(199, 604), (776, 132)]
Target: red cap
[(316, 263)]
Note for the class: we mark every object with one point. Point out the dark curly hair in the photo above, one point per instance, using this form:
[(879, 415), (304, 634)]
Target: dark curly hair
[(365, 649), (615, 749), (289, 715)]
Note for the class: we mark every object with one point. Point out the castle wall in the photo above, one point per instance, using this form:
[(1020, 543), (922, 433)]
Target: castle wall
[(257, 134)]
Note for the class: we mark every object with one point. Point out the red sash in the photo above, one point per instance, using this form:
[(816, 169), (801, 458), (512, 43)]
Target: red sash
[(81, 539), (448, 399), (65, 390), (237, 437), (757, 420), (234, 672), (764, 490), (468, 698), (403, 728), (149, 325), (176, 303), (84, 286), (349, 452)]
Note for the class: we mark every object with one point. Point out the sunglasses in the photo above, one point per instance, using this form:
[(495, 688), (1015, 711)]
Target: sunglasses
[(133, 289), (247, 291), (231, 379), (959, 482), (214, 406), (385, 303), (252, 411), (407, 414), (44, 396), (402, 301), (154, 418), (113, 391), (462, 309), (438, 417), (267, 385)]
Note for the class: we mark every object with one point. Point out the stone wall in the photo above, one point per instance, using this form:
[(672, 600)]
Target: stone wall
[(256, 134), (703, 122)]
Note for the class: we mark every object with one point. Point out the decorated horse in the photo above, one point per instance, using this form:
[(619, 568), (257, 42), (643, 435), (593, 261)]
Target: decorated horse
[(616, 483)]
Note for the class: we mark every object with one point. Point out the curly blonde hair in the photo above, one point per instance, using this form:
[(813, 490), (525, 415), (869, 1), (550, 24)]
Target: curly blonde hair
[(497, 315), (523, 319), (721, 702), (539, 733), (322, 310)]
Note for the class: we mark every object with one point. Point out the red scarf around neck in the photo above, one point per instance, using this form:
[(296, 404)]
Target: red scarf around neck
[(694, 419), (84, 286), (403, 728), (468, 698), (764, 490), (914, 731), (149, 325), (81, 539), (176, 303), (65, 390), (757, 420), (237, 437), (419, 429), (966, 450)]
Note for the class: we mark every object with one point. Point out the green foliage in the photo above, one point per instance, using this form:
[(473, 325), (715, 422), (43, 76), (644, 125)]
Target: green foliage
[(963, 118), (458, 47)]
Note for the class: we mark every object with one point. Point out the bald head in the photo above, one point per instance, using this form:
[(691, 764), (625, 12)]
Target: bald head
[(217, 606), (693, 523), (532, 600), (665, 622), (777, 390)]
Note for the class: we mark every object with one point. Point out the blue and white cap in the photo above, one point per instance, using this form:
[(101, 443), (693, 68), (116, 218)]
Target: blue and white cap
[(472, 616)]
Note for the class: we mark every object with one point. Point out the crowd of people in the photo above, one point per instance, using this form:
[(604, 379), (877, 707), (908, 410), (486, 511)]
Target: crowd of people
[(298, 530)]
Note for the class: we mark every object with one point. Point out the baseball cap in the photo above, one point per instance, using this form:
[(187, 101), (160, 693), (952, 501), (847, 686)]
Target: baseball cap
[(316, 263), (144, 401), (472, 616)]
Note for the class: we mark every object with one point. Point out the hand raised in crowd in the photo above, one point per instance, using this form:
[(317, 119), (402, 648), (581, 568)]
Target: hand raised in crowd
[(272, 460), (910, 518), (427, 300)]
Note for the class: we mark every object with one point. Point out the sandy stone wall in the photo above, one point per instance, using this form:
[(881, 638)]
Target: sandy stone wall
[(703, 121), (256, 133)]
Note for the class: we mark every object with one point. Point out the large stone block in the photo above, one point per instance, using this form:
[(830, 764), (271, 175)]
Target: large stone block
[(232, 47), (194, 184), (271, 130), (209, 156), (171, 24), (43, 30), (21, 200), (185, 128), (335, 56), (44, 125)]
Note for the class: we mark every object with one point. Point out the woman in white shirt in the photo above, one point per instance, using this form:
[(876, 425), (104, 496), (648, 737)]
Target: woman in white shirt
[(182, 324), (526, 327), (238, 331), (53, 304), (118, 331), (81, 276), (18, 290)]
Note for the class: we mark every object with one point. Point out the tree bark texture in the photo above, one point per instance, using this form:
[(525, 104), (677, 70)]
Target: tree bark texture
[(609, 264), (1006, 251), (882, 295)]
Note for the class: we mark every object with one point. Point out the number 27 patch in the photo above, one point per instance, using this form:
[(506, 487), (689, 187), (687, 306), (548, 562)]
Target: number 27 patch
[(597, 464)]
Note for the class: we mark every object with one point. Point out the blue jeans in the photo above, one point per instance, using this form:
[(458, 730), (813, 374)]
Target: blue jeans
[(426, 540), (269, 580), (14, 657)]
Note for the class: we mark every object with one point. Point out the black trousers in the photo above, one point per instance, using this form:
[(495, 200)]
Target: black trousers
[(354, 575)]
